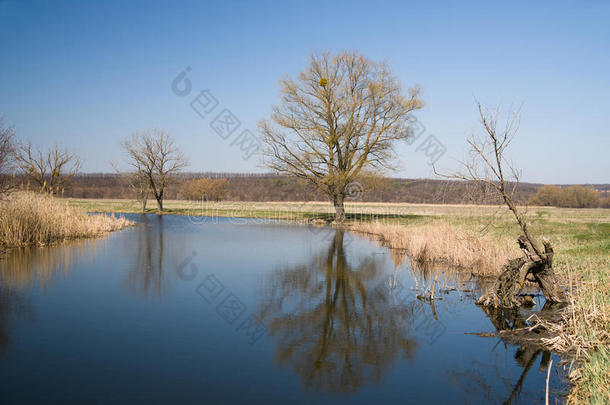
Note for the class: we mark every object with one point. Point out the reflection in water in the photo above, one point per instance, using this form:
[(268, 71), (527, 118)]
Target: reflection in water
[(341, 319), (27, 266), (13, 304), (40, 265), (335, 323), (474, 382), (146, 276)]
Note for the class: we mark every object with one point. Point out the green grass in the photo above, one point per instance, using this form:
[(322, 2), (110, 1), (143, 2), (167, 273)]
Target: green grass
[(592, 387)]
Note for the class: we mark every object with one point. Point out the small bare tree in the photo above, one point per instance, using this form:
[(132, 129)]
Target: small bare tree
[(156, 159), (137, 183), (489, 168), (7, 148), (50, 169), (343, 114), (140, 186)]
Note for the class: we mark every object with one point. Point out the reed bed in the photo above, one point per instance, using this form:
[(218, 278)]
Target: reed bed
[(34, 219), (442, 242)]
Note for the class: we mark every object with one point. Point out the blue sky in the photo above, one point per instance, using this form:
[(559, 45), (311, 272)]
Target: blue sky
[(88, 74)]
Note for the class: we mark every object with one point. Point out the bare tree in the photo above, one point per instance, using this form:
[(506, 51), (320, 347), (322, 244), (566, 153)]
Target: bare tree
[(137, 182), (140, 186), (342, 114), (489, 168), (50, 169), (7, 148), (155, 158)]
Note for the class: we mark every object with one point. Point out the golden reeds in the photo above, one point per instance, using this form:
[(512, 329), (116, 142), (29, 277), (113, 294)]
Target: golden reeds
[(443, 243), (33, 219)]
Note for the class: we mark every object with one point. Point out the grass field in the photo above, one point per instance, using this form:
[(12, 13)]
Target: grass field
[(581, 238)]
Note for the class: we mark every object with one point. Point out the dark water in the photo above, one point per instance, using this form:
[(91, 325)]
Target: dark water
[(232, 311)]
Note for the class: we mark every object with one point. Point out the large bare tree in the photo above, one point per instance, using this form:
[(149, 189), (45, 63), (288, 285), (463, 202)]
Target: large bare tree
[(49, 169), (155, 158), (341, 115), (7, 147), (489, 168)]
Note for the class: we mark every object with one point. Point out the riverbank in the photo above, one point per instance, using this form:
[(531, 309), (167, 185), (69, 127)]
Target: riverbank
[(464, 235)]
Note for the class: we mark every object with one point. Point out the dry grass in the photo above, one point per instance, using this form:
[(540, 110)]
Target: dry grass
[(32, 219), (287, 209), (586, 324), (442, 242)]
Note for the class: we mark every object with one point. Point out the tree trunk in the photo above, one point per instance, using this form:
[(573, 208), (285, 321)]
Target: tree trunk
[(548, 284), (339, 208), (516, 271), (160, 204), (143, 202)]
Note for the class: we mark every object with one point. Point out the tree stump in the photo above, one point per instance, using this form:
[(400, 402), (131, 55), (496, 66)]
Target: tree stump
[(531, 267)]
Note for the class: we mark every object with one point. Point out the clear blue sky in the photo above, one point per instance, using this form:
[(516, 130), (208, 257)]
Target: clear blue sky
[(87, 74)]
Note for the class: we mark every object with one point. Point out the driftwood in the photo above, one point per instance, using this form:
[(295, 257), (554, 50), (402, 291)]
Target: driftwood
[(536, 266)]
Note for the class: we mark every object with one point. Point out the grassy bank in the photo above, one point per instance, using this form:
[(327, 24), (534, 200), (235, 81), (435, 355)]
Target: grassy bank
[(462, 235), (33, 219)]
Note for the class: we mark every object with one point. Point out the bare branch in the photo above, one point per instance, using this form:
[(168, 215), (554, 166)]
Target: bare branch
[(50, 169), (7, 148), (489, 166), (156, 159)]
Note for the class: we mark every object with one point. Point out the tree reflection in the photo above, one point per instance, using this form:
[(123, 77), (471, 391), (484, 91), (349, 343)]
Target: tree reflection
[(146, 276), (335, 323), (474, 382)]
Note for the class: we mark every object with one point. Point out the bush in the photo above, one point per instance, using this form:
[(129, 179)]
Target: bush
[(546, 196), (204, 189)]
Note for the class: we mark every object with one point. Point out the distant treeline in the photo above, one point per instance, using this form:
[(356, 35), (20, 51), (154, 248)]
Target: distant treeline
[(270, 187)]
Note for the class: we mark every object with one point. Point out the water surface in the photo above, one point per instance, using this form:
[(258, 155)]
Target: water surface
[(212, 310)]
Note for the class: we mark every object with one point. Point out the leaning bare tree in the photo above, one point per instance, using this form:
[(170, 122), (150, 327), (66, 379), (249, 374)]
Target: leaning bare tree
[(49, 169), (490, 169), (7, 147), (343, 114), (156, 159)]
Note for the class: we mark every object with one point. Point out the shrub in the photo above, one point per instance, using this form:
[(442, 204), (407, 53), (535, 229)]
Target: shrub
[(569, 197), (204, 189)]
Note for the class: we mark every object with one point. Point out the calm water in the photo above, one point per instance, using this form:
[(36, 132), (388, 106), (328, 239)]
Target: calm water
[(233, 311)]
